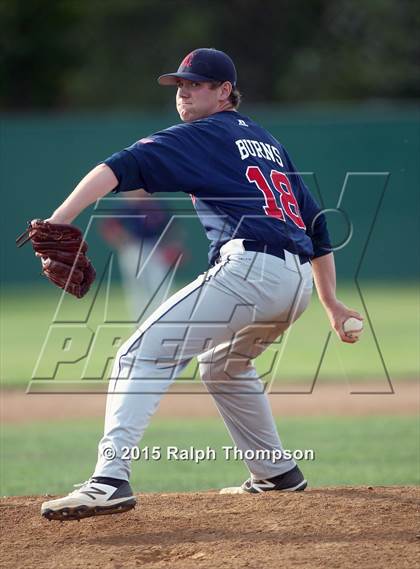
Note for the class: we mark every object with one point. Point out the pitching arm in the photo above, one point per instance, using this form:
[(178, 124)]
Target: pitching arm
[(325, 281)]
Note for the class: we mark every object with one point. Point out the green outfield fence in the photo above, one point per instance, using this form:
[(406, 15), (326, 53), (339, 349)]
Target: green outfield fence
[(374, 149)]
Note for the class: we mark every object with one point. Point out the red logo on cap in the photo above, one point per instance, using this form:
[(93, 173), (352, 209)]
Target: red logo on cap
[(186, 62)]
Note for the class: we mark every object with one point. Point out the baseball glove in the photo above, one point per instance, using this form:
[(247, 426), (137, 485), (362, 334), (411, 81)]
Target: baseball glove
[(63, 255)]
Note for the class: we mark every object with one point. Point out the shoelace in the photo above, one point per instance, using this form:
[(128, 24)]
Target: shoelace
[(80, 485)]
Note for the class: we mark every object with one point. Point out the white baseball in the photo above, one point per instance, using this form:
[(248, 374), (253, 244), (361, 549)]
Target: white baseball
[(353, 327)]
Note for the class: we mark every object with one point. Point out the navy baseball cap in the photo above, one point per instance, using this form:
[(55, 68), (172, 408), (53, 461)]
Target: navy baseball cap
[(203, 64)]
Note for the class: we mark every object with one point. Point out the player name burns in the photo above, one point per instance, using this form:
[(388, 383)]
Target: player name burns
[(197, 455)]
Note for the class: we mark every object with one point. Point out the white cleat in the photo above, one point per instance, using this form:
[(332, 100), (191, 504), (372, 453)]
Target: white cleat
[(291, 481), (90, 499)]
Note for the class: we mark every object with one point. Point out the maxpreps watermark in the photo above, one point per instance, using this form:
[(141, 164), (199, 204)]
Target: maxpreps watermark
[(198, 455)]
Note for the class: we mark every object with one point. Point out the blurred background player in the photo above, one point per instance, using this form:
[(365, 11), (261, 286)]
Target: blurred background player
[(145, 263)]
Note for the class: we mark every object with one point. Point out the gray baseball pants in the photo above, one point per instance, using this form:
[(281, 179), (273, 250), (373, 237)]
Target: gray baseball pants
[(226, 317)]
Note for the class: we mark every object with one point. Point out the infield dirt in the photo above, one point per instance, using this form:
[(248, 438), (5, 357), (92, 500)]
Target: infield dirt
[(329, 527), (364, 398)]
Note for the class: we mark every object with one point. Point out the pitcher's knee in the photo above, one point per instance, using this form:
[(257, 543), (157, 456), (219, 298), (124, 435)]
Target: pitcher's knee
[(225, 370), (211, 372)]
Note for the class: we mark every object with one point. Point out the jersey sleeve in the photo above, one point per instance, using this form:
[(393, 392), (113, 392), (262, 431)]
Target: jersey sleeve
[(317, 230), (126, 170), (162, 162), (312, 214)]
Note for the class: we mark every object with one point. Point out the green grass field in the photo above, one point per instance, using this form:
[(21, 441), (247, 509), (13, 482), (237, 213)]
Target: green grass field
[(393, 312), (51, 457)]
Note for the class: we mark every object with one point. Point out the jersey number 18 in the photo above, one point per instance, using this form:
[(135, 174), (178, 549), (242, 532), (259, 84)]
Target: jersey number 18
[(281, 183)]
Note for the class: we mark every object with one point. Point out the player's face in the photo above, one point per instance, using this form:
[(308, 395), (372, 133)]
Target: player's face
[(196, 100)]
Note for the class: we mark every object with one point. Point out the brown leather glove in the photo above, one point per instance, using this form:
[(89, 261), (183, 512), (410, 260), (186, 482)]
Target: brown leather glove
[(63, 255)]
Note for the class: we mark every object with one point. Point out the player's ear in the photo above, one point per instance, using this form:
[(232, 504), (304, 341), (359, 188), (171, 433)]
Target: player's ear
[(226, 90)]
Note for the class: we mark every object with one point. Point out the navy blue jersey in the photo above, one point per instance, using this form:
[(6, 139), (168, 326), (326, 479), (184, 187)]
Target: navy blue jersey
[(241, 180)]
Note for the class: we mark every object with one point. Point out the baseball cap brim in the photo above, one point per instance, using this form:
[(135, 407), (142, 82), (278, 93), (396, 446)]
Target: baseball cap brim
[(171, 78)]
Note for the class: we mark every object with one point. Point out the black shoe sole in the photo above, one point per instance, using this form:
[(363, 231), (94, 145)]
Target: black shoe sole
[(69, 514)]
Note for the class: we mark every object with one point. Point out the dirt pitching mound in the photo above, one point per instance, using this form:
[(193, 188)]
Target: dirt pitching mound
[(328, 527)]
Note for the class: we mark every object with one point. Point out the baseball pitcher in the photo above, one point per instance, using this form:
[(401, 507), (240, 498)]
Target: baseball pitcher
[(268, 243)]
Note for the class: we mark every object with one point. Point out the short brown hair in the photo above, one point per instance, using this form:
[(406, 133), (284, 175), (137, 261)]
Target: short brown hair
[(235, 97)]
